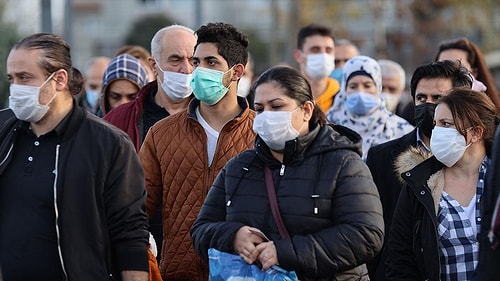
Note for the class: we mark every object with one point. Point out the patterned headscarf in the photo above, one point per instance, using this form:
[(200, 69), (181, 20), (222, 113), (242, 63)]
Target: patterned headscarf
[(124, 67), (379, 125)]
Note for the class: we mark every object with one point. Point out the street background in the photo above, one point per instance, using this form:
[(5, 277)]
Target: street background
[(406, 31)]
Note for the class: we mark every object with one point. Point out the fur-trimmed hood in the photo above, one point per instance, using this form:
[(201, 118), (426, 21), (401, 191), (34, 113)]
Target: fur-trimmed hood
[(409, 159), (407, 163)]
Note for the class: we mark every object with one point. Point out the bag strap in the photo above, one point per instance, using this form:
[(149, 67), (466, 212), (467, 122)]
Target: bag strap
[(271, 194)]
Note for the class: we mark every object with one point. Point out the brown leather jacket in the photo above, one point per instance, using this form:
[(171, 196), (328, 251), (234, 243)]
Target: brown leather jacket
[(175, 161)]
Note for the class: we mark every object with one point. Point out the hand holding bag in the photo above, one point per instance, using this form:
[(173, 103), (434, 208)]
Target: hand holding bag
[(225, 266)]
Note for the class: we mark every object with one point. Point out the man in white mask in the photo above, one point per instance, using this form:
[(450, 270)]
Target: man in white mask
[(393, 89), (172, 49), (245, 82), (75, 205), (315, 56)]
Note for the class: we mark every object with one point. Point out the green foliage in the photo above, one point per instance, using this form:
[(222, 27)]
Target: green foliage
[(259, 50), (7, 40), (145, 28)]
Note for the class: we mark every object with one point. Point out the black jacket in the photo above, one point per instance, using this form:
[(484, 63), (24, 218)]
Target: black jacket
[(100, 197), (488, 267), (413, 251), (347, 230), (381, 160)]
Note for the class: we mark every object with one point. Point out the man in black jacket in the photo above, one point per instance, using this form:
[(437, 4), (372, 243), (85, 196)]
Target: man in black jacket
[(428, 84), (70, 208), (489, 242)]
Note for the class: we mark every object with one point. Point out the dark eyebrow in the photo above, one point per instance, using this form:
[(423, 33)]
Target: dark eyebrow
[(273, 100), (210, 58)]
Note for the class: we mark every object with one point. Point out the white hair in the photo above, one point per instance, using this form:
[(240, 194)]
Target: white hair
[(156, 41), (393, 69)]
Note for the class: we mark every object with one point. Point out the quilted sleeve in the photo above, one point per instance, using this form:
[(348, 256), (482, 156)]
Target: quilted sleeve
[(211, 230), (152, 173)]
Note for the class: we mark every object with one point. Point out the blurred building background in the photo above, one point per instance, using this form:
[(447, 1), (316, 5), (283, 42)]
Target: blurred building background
[(407, 31)]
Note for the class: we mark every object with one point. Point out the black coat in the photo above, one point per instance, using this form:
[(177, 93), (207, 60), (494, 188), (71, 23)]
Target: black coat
[(412, 248), (100, 195), (488, 267), (381, 160), (346, 232)]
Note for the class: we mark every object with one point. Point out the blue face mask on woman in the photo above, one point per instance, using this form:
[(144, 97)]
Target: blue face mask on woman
[(337, 74), (208, 86), (361, 103)]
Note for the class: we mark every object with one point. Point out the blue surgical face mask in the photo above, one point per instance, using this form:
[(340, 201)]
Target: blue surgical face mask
[(361, 103), (337, 74), (208, 86), (92, 97)]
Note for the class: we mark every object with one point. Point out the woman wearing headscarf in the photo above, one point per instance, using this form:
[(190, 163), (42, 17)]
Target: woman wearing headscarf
[(123, 78), (360, 106)]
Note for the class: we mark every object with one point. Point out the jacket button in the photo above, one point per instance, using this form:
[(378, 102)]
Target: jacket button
[(422, 192), (407, 174), (422, 250)]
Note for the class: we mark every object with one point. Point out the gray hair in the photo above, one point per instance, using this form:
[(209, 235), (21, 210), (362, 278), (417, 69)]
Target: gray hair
[(156, 46), (393, 69)]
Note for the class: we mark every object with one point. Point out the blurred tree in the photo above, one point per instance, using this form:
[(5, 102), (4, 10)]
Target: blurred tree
[(144, 29), (7, 40), (259, 51), (407, 31)]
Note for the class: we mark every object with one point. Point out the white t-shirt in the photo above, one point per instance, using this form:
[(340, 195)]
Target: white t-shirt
[(212, 136)]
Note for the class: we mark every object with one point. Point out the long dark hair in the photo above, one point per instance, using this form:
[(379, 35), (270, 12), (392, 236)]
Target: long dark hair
[(477, 62), (296, 87)]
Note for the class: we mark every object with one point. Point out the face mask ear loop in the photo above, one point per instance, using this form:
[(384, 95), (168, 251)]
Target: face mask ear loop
[(230, 83), (43, 84), (305, 122), (468, 130), (162, 71)]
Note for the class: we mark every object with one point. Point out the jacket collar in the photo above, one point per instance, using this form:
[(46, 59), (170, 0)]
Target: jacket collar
[(294, 149), (420, 169), (242, 102), (319, 140)]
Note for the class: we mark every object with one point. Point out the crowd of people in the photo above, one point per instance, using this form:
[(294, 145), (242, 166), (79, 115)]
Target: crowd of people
[(134, 168)]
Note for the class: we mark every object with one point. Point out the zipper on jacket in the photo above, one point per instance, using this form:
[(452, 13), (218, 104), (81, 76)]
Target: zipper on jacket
[(56, 209), (282, 170), (7, 156)]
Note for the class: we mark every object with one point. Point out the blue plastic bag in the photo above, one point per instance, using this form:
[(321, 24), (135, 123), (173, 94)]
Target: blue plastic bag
[(225, 266)]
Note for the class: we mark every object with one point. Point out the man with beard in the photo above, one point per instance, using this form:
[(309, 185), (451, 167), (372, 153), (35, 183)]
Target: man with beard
[(429, 83)]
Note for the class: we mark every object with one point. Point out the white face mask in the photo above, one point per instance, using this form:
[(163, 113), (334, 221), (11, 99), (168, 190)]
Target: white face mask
[(448, 145), (244, 86), (319, 66), (391, 101), (24, 102), (275, 128), (176, 85)]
